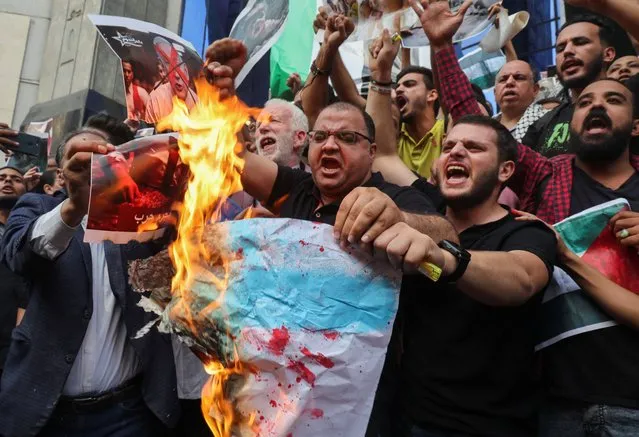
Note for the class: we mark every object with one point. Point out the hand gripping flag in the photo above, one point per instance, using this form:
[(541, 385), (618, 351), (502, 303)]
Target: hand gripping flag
[(566, 309)]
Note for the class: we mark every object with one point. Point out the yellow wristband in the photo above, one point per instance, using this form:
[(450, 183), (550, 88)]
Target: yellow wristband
[(431, 271)]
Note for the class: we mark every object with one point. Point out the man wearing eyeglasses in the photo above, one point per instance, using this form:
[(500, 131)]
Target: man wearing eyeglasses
[(342, 188)]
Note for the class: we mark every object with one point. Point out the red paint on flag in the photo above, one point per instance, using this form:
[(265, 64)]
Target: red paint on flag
[(618, 263), (279, 340), (319, 358)]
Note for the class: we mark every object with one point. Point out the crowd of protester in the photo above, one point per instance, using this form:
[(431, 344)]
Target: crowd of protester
[(416, 170)]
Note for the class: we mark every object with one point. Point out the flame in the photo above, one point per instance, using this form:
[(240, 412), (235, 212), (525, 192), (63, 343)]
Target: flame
[(208, 144)]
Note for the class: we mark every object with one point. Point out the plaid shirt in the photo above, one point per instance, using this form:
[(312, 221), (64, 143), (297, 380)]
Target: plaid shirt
[(533, 169)]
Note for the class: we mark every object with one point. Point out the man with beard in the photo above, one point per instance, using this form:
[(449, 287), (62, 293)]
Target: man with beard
[(280, 134), (624, 68), (421, 133), (136, 96), (467, 366), (14, 293), (584, 53)]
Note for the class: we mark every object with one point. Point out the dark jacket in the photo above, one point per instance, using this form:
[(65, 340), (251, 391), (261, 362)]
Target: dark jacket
[(45, 345)]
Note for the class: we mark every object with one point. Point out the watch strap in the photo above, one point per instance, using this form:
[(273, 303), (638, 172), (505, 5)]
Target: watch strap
[(461, 255)]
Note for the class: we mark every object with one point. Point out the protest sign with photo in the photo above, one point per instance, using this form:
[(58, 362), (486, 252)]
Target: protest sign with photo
[(259, 25), (568, 311), (157, 65), (133, 188), (475, 21)]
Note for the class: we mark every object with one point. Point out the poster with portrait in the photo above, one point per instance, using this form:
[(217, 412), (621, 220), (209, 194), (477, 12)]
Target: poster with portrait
[(133, 189), (259, 26), (157, 65), (475, 21)]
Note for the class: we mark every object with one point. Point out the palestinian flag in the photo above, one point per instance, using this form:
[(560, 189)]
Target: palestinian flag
[(566, 309)]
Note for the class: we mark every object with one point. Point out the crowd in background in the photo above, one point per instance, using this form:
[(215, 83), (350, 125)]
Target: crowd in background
[(421, 169)]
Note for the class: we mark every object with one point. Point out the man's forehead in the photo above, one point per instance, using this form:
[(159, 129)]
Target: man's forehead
[(340, 119), (10, 172), (604, 86), (88, 136), (577, 30), (515, 67), (626, 59), (471, 132), (418, 77)]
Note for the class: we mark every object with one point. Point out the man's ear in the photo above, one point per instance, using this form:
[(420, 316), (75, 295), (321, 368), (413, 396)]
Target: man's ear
[(506, 170), (609, 55), (635, 127), (372, 151), (299, 140), (432, 96), (536, 88)]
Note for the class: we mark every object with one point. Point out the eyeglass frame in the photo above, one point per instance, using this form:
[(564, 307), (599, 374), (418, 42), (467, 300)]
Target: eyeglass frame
[(331, 133)]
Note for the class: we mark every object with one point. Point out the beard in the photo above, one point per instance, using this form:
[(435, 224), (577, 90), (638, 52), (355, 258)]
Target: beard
[(8, 202), (604, 149), (481, 191), (591, 74)]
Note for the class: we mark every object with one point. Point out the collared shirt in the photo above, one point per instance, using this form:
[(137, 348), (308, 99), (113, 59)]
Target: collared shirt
[(544, 185), (106, 359), (295, 195), (419, 156), (533, 113)]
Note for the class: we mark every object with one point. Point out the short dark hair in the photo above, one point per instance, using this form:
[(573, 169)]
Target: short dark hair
[(11, 167), (103, 124), (506, 143), (606, 32), (429, 79), (368, 120), (47, 178), (481, 99)]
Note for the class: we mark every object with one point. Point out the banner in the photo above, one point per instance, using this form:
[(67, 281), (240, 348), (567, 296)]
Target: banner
[(133, 188), (566, 309), (311, 321), (482, 68), (259, 26), (157, 65)]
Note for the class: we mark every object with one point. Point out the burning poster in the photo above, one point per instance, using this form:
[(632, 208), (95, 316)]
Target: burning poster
[(259, 26), (157, 65), (568, 311), (133, 188), (293, 329)]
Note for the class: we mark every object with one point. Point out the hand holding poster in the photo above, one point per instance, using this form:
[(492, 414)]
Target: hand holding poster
[(568, 311), (311, 321), (157, 65), (133, 188), (259, 25)]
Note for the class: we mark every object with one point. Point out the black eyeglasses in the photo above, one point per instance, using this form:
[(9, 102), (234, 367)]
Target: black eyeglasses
[(348, 137)]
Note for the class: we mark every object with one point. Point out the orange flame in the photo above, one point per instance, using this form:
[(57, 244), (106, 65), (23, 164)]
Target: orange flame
[(208, 144)]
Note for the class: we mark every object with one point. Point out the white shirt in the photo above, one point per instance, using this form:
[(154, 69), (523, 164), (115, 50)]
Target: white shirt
[(106, 359)]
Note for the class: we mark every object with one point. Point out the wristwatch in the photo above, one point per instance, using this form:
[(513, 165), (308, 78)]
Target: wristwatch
[(461, 255)]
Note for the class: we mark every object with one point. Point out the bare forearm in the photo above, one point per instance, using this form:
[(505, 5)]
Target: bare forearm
[(498, 279), (510, 52), (378, 107), (258, 176), (344, 85), (620, 303), (315, 94), (435, 226)]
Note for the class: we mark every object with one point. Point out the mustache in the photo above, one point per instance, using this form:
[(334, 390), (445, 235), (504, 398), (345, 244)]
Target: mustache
[(597, 113)]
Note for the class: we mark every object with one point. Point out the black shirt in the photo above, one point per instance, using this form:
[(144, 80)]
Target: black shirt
[(297, 196), (550, 134), (469, 367), (598, 366)]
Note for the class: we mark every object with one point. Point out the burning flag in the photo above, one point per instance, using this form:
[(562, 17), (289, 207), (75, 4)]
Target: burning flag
[(568, 311), (292, 329)]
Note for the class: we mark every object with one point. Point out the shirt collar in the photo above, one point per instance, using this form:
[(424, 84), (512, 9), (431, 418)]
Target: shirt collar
[(424, 139)]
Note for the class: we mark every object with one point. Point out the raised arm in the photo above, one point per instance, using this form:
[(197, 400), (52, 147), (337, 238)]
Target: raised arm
[(440, 24), (315, 92), (344, 85), (382, 53)]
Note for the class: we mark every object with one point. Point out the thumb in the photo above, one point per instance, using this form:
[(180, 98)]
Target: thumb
[(386, 38), (464, 8)]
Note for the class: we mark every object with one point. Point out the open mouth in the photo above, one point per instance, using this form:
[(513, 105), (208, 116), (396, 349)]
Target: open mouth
[(401, 102), (8, 190), (456, 174), (595, 125), (330, 165), (570, 64), (624, 76), (510, 93), (267, 144)]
